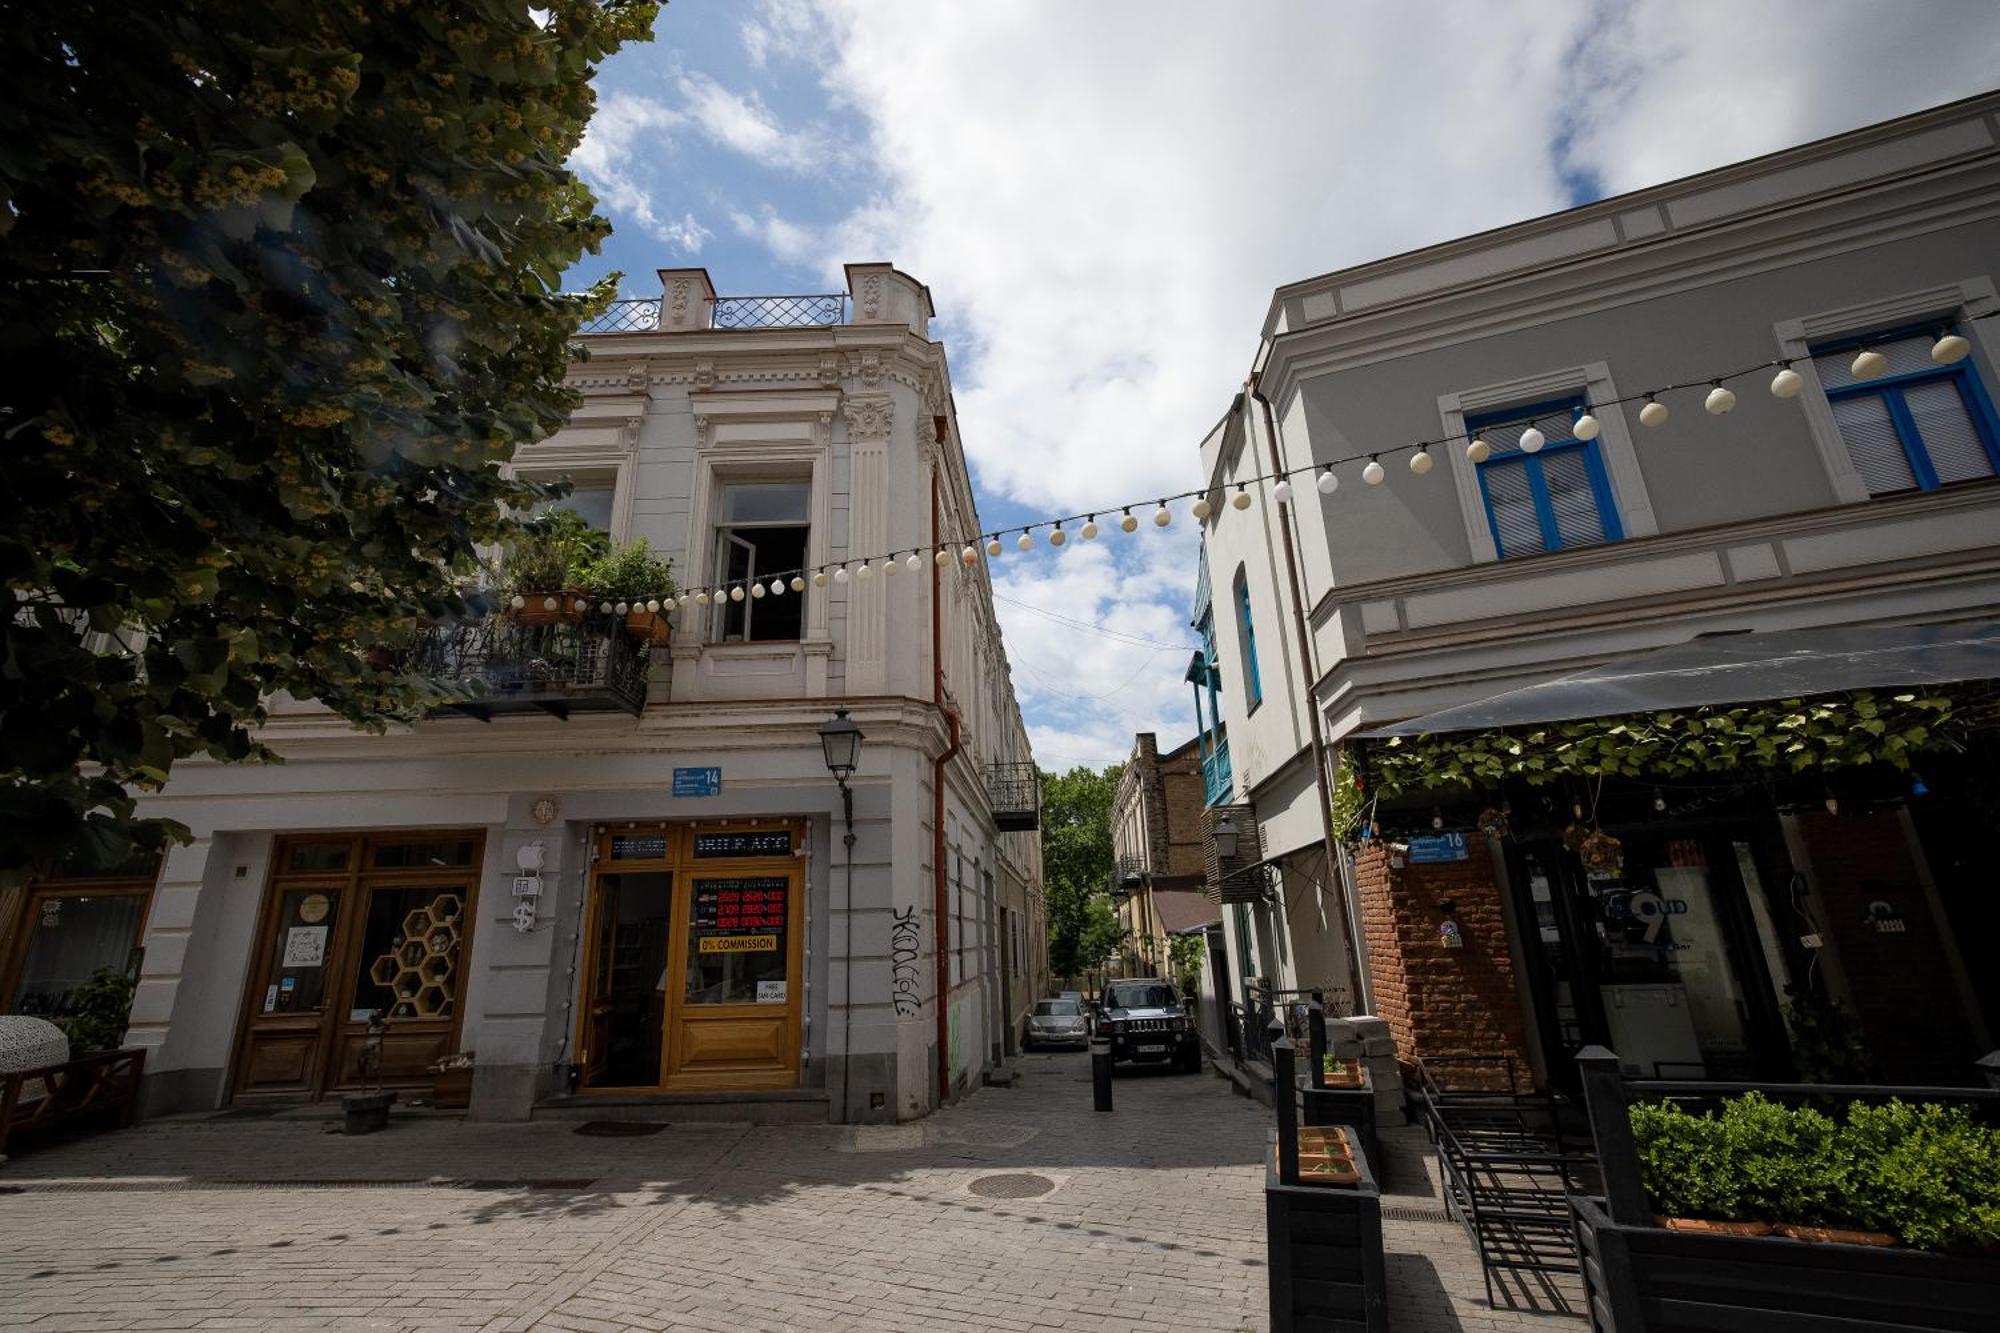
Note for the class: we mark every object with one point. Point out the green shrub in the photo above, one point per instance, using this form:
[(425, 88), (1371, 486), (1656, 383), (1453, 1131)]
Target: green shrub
[(1928, 1174), (102, 1011), (548, 555), (630, 571)]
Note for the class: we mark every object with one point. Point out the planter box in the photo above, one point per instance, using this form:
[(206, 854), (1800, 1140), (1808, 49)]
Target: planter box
[(1323, 1251), (1353, 1107), (1652, 1280)]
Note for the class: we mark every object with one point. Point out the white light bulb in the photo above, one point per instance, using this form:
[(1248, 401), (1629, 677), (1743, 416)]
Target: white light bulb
[(1949, 349), (756, 590), (1654, 413), (624, 608), (517, 601), (840, 574), (550, 604), (1720, 401), (1587, 427), (1057, 536), (736, 593), (701, 598), (1025, 542), (914, 562), (1090, 529), (1282, 492), (819, 578), (1373, 473), (1478, 451), (993, 547), (889, 567), (777, 587), (578, 606), (1532, 440), (1327, 483), (1421, 461), (864, 570), (968, 557), (798, 583), (604, 608), (684, 601), (1128, 523), (943, 554), (1162, 516), (1240, 500), (1868, 363), (1787, 383), (1201, 508), (653, 605)]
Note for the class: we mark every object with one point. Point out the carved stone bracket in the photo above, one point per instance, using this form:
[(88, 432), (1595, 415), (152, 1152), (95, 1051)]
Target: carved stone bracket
[(869, 417), (871, 369), (829, 370), (704, 374)]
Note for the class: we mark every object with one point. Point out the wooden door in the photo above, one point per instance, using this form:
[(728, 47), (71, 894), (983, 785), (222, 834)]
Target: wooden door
[(735, 985), (353, 925), (622, 1029)]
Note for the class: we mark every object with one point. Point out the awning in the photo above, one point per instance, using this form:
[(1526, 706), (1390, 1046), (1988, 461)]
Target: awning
[(1733, 669)]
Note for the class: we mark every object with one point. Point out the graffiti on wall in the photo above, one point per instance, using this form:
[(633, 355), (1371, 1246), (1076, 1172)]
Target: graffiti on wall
[(905, 952)]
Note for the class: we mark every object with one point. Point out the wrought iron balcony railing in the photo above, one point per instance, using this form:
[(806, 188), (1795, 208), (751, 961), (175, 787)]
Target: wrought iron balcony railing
[(1016, 791), (816, 310), (502, 666), (1127, 875)]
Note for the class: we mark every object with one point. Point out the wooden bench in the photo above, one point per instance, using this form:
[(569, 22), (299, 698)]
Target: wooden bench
[(104, 1085)]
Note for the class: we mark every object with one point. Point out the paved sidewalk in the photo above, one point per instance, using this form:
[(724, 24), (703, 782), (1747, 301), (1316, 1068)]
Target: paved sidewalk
[(1147, 1219)]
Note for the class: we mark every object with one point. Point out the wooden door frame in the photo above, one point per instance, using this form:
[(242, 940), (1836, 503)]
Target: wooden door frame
[(15, 954), (679, 862), (354, 885)]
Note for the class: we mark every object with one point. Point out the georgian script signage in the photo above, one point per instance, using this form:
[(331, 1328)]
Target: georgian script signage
[(776, 842)]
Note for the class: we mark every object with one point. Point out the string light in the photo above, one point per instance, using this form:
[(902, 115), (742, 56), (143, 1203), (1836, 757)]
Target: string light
[(1532, 441), (819, 578), (1478, 451), (1587, 427), (1949, 348), (1868, 364), (701, 598), (1653, 413), (1373, 473), (1328, 483), (889, 567), (653, 605), (1720, 401), (1282, 492), (1090, 528), (943, 554), (1240, 500), (968, 557), (914, 562), (1026, 541), (840, 575), (798, 583), (1421, 461), (1056, 534), (756, 590), (1200, 508), (1163, 515), (1128, 523), (864, 570), (604, 608), (993, 546), (1787, 382), (736, 593), (777, 587)]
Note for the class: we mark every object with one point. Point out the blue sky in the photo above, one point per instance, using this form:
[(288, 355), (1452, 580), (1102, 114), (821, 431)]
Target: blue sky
[(1102, 197)]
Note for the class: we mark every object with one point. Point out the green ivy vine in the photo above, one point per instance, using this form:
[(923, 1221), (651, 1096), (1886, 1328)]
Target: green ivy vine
[(1825, 732)]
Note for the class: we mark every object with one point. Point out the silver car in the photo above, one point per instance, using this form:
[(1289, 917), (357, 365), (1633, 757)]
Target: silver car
[(1056, 1023)]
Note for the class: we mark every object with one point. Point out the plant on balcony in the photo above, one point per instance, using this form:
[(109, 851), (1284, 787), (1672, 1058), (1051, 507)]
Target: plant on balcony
[(282, 289), (544, 565), (1925, 1174), (631, 576)]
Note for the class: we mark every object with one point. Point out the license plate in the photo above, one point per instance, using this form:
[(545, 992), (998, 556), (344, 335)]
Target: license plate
[(1152, 1048)]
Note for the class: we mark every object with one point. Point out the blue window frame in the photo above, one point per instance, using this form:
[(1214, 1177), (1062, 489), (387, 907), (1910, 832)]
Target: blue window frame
[(1253, 689), (1554, 499), (1917, 427)]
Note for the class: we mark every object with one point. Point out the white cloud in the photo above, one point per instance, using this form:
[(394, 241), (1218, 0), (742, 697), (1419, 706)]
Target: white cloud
[(625, 137), (745, 125), (787, 240), (1102, 198)]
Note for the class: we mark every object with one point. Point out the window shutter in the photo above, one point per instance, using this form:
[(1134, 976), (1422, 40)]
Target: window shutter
[(1945, 426), (1515, 523), (1567, 477), (1873, 444)]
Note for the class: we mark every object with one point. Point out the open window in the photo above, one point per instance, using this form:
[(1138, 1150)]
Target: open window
[(762, 535)]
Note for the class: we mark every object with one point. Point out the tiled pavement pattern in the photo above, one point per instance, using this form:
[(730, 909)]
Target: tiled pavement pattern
[(1155, 1222)]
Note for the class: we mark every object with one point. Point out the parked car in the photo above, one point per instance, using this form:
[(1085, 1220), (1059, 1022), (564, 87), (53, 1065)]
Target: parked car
[(1056, 1023), (1148, 1024)]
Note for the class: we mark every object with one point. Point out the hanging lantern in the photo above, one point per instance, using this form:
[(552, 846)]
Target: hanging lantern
[(1056, 534), (798, 583), (756, 590), (1720, 401), (604, 608), (1128, 523), (1200, 508), (1328, 483), (913, 562), (1653, 413), (993, 546), (701, 598), (777, 587), (1282, 492), (1240, 500), (819, 578), (1373, 473), (1090, 528), (1787, 383), (1026, 541), (736, 593), (1163, 515), (1421, 461), (1950, 349), (1868, 364), (889, 567), (1532, 440), (1587, 427), (1478, 451)]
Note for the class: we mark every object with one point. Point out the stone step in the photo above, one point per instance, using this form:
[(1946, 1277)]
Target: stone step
[(777, 1106)]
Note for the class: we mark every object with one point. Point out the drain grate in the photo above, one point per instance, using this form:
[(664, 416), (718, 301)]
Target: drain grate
[(618, 1129), (1014, 1185), (1405, 1213)]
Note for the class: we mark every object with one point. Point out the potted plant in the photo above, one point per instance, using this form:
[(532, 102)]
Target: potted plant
[(367, 1111), (1337, 1073), (539, 567), (632, 581)]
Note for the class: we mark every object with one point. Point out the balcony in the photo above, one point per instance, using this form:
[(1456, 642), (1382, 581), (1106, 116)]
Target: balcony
[(1128, 875), (502, 666), (814, 310), (1216, 778), (1016, 792)]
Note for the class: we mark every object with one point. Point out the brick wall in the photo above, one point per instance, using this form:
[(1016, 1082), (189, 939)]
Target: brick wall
[(1182, 803), (1900, 983), (1439, 1001)]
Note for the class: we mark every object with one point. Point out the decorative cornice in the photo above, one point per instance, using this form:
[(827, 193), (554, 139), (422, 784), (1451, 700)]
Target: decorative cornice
[(869, 416)]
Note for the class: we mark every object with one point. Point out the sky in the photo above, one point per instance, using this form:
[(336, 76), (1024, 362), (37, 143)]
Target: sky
[(1103, 196)]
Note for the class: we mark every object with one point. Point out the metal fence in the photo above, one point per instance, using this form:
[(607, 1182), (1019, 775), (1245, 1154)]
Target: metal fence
[(625, 317), (813, 310), (499, 665)]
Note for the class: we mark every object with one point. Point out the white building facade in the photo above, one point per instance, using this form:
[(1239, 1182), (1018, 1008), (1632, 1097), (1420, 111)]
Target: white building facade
[(622, 878)]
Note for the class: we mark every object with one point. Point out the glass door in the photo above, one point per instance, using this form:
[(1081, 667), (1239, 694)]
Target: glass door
[(285, 1038), (624, 1023)]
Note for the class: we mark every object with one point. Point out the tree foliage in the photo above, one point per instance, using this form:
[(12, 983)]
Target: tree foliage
[(281, 287), (1076, 867)]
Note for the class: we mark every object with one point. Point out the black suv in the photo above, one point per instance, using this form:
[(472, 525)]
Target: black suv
[(1147, 1024)]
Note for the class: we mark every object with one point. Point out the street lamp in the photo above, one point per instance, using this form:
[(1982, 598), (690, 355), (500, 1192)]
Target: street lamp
[(840, 739), (1225, 839)]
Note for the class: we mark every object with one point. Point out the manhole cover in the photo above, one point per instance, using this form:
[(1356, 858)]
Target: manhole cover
[(618, 1129), (1012, 1186)]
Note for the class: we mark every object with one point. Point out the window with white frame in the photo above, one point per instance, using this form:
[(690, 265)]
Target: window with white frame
[(593, 495), (762, 533), (1552, 496), (1918, 425)]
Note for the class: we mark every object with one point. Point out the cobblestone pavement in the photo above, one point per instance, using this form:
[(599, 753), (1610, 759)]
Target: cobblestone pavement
[(1153, 1220)]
